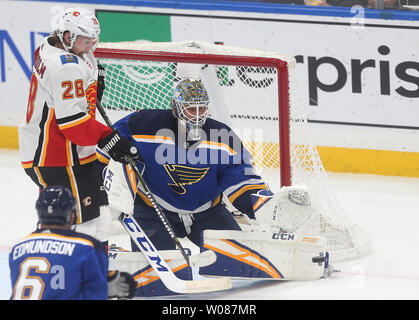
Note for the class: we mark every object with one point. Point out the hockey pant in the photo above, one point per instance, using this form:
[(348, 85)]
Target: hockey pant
[(215, 218)]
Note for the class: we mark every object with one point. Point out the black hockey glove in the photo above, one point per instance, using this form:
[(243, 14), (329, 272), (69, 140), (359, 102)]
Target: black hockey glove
[(118, 147), (100, 81), (121, 285)]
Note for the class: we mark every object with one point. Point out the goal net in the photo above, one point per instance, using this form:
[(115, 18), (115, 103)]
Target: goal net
[(255, 93)]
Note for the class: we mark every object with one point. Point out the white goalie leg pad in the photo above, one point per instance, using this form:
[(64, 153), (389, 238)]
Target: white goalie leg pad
[(103, 224), (148, 282), (264, 255), (287, 210), (98, 227), (121, 186)]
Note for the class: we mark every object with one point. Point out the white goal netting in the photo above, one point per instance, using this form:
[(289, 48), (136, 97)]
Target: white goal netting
[(255, 93)]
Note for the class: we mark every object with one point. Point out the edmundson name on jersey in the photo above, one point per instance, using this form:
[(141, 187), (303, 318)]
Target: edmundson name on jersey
[(44, 247)]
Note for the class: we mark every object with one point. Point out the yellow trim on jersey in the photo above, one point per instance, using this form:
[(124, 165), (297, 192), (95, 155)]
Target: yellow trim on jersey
[(68, 152), (102, 158), (218, 145), (167, 139), (75, 192), (245, 188), (145, 198), (27, 164), (131, 178), (59, 237), (75, 123), (40, 179), (46, 137), (88, 159), (216, 201), (152, 138)]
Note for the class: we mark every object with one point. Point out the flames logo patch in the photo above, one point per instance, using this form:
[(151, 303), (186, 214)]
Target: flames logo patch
[(91, 95)]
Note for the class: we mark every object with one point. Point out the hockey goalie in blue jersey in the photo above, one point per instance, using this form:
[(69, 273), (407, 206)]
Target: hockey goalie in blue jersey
[(58, 263), (189, 161)]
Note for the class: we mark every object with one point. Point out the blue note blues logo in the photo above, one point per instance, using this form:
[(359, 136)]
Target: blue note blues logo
[(183, 175)]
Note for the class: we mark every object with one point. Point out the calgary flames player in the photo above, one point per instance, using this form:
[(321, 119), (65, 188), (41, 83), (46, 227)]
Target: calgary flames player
[(58, 138)]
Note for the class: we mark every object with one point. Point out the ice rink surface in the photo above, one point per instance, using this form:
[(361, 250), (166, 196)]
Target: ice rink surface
[(386, 208)]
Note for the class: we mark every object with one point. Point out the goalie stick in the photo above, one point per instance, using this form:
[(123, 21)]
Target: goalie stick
[(163, 270), (148, 193), (202, 259)]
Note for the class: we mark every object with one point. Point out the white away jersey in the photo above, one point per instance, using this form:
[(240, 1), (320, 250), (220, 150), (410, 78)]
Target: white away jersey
[(60, 127)]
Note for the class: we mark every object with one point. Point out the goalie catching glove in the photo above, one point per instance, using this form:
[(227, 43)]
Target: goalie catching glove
[(285, 211), (118, 147), (121, 285)]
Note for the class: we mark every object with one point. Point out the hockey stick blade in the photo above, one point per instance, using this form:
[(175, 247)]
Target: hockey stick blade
[(163, 270)]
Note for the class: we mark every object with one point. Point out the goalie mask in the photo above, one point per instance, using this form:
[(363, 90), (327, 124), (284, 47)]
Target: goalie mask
[(78, 22), (190, 105), (55, 206)]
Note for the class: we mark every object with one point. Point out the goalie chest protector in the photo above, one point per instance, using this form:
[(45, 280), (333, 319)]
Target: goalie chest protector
[(183, 175)]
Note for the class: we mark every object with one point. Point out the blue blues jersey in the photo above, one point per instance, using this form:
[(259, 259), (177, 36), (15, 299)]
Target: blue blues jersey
[(189, 176), (56, 264)]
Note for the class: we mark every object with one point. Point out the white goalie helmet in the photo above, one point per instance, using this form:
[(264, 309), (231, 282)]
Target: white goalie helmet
[(78, 22), (189, 104)]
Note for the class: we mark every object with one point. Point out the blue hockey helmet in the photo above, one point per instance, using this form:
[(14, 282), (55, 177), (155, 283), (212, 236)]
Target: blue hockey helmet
[(55, 206)]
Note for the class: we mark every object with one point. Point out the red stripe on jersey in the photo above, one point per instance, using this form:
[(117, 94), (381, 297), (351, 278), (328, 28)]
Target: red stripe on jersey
[(27, 164), (57, 143), (54, 145), (87, 132)]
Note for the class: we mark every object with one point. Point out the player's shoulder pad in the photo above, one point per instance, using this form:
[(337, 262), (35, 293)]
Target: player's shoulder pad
[(150, 121), (224, 134), (69, 58), (64, 71), (215, 124), (78, 235)]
